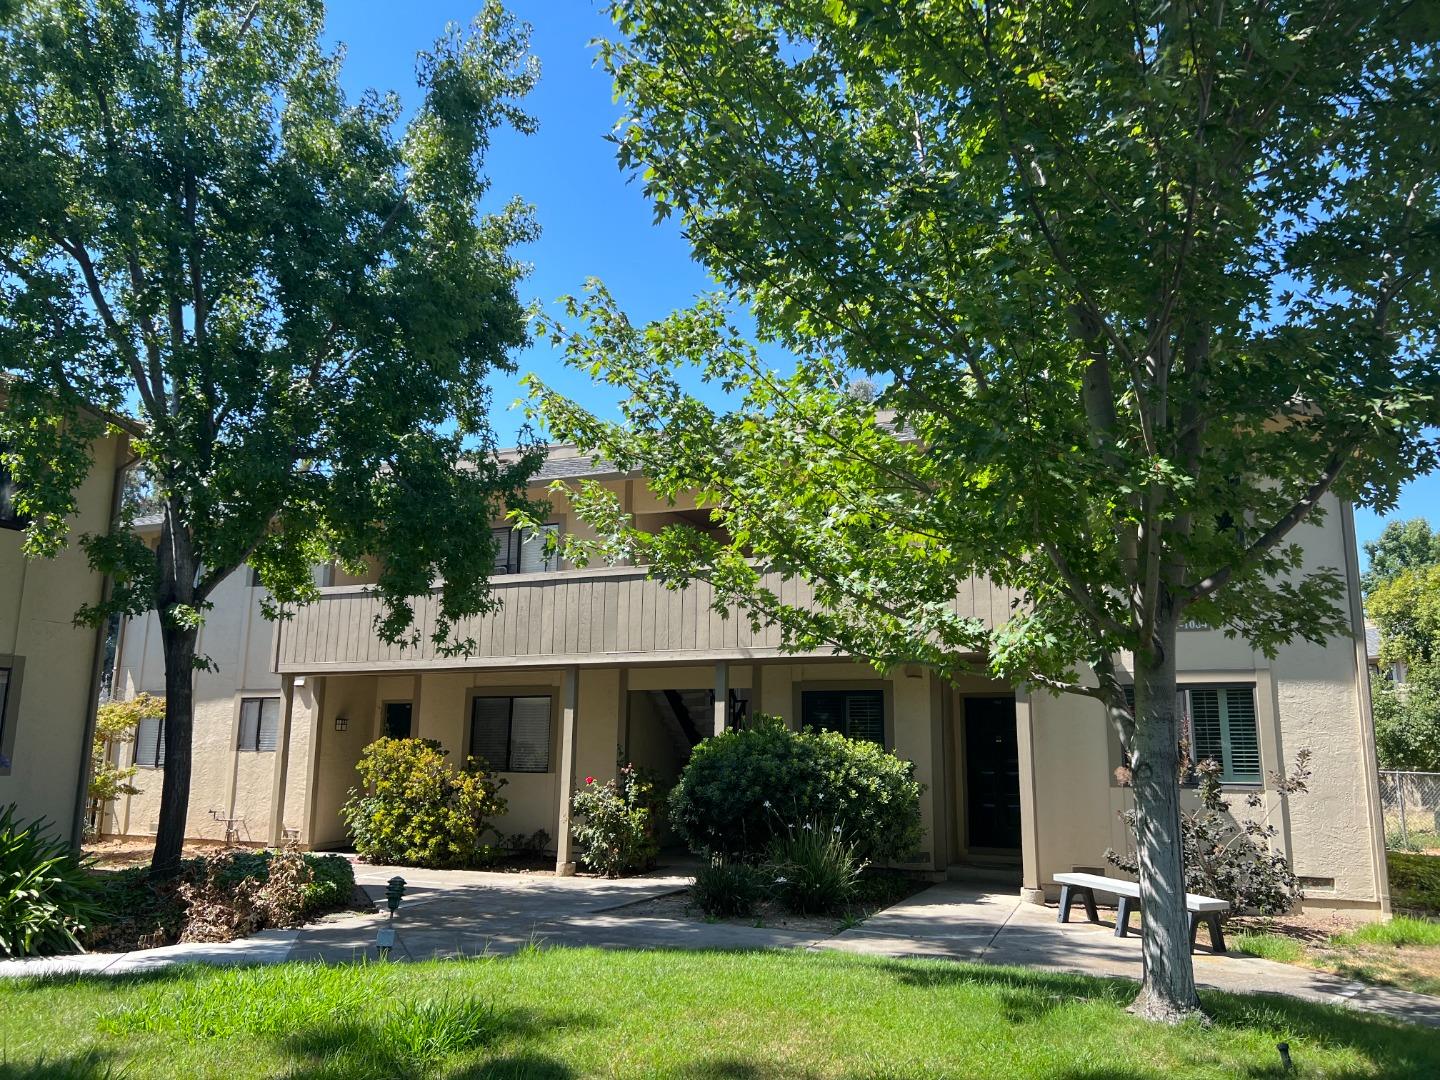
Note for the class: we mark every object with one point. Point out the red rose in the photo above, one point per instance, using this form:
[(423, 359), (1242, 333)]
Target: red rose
[(589, 779)]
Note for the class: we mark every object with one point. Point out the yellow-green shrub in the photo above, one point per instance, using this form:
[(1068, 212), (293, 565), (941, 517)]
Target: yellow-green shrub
[(416, 809)]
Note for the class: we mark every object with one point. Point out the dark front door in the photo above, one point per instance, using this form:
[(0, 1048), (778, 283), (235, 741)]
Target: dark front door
[(992, 773), (397, 719)]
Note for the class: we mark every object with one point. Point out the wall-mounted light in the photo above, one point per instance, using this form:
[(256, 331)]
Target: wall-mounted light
[(342, 723)]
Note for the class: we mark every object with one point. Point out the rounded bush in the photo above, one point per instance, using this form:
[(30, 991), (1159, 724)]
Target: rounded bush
[(741, 789), (415, 809)]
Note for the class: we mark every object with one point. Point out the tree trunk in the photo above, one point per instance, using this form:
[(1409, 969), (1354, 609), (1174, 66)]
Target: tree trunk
[(1167, 990), (179, 646)]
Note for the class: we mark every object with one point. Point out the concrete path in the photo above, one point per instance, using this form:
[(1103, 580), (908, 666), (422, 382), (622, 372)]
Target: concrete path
[(958, 921), (458, 914)]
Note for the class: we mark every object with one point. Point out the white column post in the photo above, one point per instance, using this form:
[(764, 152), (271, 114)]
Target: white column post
[(722, 696), (569, 707), (282, 761), (1032, 889)]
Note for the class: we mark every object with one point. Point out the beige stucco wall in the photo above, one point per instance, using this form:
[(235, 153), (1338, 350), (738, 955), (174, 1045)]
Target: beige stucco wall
[(224, 780), (1307, 697), (52, 700)]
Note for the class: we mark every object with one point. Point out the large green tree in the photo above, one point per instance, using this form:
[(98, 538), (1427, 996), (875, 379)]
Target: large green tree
[(1402, 546), (1140, 287), (1405, 605), (289, 300)]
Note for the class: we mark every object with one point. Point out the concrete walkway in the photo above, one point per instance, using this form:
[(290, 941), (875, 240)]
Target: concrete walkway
[(458, 914)]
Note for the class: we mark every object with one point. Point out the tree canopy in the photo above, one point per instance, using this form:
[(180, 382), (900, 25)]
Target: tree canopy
[(1139, 290), (1401, 546), (290, 301)]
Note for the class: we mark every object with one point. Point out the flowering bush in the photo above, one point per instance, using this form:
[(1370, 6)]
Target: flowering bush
[(1225, 858), (740, 787), (615, 823), (415, 809)]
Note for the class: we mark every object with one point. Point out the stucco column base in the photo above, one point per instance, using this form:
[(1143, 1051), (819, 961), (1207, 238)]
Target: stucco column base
[(564, 869), (1032, 896)]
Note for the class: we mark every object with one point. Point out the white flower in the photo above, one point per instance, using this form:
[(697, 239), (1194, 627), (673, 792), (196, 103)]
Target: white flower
[(807, 824), (766, 804), (836, 829), (780, 881)]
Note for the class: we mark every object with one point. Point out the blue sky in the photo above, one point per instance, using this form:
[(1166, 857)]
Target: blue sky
[(594, 223)]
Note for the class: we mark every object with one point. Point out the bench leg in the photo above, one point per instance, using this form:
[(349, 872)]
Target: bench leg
[(1090, 912), (1217, 939), (1122, 915), (1194, 925), (1067, 897)]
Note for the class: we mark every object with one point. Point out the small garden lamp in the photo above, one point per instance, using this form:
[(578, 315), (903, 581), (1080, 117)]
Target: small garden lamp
[(394, 893)]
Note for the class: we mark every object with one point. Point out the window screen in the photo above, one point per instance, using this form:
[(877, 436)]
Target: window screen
[(524, 551), (259, 724), (856, 714), (511, 734), (150, 742), (1221, 724)]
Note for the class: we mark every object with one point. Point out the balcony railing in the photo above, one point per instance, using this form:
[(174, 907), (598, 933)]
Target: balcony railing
[(585, 617)]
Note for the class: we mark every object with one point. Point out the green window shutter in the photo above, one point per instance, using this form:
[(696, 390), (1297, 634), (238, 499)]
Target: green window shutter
[(1242, 736), (1207, 739)]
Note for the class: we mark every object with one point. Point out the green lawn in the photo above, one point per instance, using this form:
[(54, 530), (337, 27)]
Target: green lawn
[(1403, 951), (562, 1013)]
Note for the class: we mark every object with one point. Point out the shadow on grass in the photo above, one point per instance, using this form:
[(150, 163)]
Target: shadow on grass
[(1393, 1048), (91, 1065), (377, 1047)]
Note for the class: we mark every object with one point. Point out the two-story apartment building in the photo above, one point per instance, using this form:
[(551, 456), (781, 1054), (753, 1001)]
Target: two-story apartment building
[(581, 668), (49, 667)]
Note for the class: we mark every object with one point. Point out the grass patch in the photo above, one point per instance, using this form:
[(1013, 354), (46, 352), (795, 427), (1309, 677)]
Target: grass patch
[(1277, 947), (1399, 932), (568, 1013)]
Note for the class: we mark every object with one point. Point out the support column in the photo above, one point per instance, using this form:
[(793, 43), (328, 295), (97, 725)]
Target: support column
[(316, 688), (569, 709), (282, 761), (722, 697), (1031, 889)]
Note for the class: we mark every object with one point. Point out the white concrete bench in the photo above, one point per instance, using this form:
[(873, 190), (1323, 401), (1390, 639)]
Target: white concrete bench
[(1206, 909)]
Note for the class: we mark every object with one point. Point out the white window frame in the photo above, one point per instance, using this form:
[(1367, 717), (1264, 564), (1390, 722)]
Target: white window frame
[(1185, 705), (510, 542), (159, 760)]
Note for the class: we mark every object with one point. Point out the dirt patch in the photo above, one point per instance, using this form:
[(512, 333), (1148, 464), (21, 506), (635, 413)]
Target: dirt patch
[(1323, 947), (120, 853)]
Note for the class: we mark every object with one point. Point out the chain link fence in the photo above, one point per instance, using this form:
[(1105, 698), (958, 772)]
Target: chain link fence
[(1411, 802)]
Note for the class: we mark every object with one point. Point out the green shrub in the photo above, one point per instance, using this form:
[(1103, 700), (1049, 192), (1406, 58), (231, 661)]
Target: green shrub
[(331, 885), (727, 887), (415, 809), (1414, 881), (741, 786), (814, 868), (615, 823), (47, 895)]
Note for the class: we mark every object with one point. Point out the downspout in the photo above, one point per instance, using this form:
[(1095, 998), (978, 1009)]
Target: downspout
[(82, 792)]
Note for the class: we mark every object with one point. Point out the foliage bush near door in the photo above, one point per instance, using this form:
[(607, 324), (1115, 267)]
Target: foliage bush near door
[(47, 896), (416, 809), (615, 823), (742, 789)]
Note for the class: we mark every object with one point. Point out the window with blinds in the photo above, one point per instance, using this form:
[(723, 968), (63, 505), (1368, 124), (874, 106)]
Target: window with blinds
[(259, 724), (1221, 725), (511, 734), (525, 551), (856, 714), (150, 742)]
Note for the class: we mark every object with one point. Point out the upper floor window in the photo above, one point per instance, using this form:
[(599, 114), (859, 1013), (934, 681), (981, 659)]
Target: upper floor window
[(511, 734), (150, 742), (1221, 725), (856, 714), (259, 724), (10, 517), (525, 551)]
